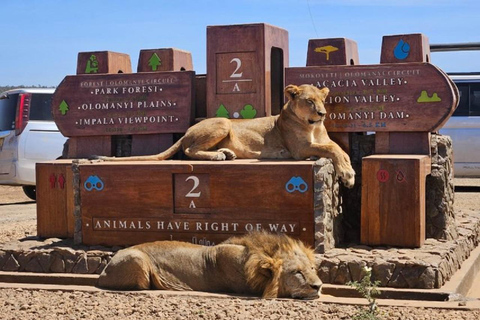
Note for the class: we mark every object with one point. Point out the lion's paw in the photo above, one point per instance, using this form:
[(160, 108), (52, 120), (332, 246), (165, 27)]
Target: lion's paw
[(229, 154), (347, 175), (219, 156)]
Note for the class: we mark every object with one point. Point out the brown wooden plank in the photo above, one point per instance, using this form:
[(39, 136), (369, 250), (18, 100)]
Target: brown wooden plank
[(146, 144), (84, 147), (121, 104), (200, 96), (170, 231), (54, 199), (402, 143), (388, 97)]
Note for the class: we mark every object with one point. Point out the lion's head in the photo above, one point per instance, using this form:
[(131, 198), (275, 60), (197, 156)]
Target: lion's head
[(307, 102), (279, 267)]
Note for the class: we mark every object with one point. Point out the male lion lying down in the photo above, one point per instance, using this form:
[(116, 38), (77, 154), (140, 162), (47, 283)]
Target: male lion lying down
[(298, 132), (260, 263)]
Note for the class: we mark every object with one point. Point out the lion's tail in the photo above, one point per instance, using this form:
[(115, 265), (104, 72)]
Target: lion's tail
[(161, 156)]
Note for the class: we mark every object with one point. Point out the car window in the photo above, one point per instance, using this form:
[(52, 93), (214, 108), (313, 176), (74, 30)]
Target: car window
[(462, 109), (41, 107), (474, 99), (8, 106)]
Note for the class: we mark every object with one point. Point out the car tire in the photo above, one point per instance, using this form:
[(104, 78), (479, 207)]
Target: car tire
[(30, 191)]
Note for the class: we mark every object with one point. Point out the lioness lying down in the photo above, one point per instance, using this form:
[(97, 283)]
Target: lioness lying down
[(260, 263), (298, 132)]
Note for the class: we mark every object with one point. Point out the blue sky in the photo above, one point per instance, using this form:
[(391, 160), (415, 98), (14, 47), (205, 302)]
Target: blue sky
[(41, 38)]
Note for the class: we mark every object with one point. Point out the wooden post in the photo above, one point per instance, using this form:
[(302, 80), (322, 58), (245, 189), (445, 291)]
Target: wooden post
[(245, 67), (393, 200), (55, 199)]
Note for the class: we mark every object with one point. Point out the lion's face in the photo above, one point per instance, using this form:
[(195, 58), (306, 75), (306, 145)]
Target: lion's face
[(307, 102), (298, 278)]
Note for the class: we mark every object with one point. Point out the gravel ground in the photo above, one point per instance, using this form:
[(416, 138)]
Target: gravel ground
[(45, 304)]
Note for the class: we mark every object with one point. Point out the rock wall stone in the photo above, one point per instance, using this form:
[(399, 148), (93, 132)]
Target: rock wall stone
[(440, 193), (327, 210)]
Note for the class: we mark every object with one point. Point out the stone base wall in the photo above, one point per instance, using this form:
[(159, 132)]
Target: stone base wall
[(427, 267), (440, 191), (53, 256)]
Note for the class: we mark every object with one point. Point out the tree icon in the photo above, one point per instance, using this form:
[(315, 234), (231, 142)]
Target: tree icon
[(248, 112), (63, 108), (154, 61), (222, 112), (326, 50)]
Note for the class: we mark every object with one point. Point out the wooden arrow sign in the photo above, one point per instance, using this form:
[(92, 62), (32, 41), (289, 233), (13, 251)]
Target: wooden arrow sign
[(119, 104), (386, 97)]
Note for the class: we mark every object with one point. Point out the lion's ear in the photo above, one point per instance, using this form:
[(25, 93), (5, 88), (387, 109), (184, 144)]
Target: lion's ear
[(325, 91), (270, 266), (291, 91)]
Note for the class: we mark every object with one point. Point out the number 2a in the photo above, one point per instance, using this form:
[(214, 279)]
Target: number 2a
[(235, 73), (196, 183)]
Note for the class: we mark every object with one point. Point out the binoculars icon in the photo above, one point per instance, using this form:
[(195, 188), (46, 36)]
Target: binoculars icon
[(93, 182), (296, 184)]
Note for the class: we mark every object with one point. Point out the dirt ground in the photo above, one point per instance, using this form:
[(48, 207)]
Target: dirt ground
[(18, 219)]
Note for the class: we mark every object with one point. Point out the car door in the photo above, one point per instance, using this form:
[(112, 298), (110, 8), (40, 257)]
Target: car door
[(8, 140)]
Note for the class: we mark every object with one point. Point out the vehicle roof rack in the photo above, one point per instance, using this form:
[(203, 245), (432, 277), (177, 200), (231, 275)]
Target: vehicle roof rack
[(464, 46)]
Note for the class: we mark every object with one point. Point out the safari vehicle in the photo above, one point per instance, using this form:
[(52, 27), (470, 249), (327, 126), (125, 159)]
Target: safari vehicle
[(27, 135), (464, 125)]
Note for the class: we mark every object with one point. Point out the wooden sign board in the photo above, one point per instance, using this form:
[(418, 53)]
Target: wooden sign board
[(122, 104), (125, 203), (387, 97)]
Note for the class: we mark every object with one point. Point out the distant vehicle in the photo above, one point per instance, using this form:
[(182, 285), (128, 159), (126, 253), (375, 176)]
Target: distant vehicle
[(28, 135), (464, 126)]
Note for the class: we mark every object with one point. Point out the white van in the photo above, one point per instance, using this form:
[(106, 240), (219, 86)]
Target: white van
[(464, 126), (28, 135)]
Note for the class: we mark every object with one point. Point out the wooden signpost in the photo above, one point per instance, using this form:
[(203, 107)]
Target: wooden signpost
[(386, 97), (93, 105), (123, 203), (402, 100)]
